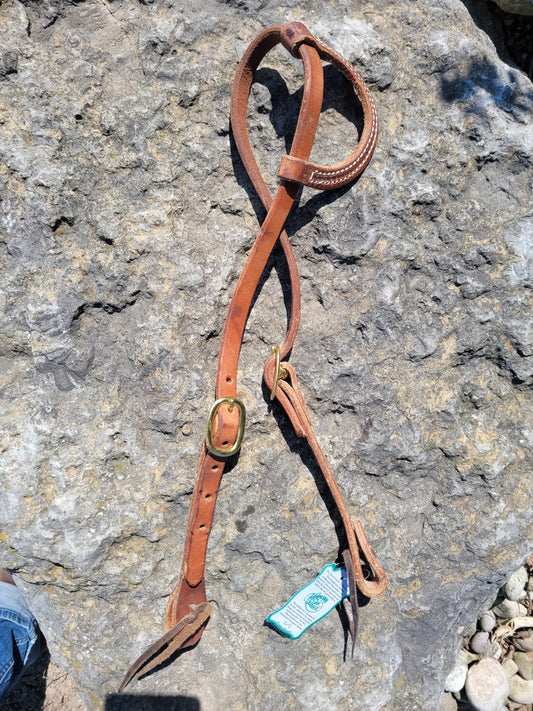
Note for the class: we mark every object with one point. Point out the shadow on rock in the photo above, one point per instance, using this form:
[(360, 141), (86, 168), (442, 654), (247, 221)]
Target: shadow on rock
[(149, 702), (503, 91), (29, 692)]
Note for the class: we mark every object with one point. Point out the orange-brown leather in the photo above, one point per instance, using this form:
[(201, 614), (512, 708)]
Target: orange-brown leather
[(188, 610)]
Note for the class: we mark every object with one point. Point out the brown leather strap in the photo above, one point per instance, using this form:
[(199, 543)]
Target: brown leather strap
[(291, 399), (330, 177), (188, 610)]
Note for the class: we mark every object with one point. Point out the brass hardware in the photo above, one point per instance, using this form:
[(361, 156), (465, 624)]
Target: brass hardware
[(279, 373), (228, 451)]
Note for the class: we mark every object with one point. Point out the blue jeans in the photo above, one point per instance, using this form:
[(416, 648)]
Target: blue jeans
[(20, 641)]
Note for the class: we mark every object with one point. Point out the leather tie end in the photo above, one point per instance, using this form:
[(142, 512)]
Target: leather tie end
[(378, 583), (172, 641)]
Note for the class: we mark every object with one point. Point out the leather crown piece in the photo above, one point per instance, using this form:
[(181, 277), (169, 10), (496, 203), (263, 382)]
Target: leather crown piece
[(188, 609)]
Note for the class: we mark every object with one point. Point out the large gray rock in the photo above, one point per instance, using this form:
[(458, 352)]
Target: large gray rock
[(522, 7), (125, 223)]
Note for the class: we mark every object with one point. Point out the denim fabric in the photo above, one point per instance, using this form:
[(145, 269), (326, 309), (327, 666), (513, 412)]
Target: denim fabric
[(19, 636)]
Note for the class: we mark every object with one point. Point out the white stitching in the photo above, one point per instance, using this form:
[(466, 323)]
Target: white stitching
[(348, 170), (368, 147), (351, 168)]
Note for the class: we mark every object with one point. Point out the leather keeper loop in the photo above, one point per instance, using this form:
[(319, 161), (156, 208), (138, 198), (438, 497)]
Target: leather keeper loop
[(294, 169)]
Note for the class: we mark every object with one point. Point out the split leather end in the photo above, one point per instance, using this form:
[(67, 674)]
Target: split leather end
[(169, 643)]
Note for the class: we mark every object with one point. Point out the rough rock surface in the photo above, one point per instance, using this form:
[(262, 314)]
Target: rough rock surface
[(125, 220)]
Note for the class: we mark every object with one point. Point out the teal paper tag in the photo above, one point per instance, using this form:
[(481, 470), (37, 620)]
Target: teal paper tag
[(311, 603)]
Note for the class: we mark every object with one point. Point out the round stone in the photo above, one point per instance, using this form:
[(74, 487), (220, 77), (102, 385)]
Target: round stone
[(519, 7), (524, 664), (514, 588), (448, 703), (521, 690), (508, 608), (487, 621), (480, 643), (486, 685), (456, 678), (510, 668)]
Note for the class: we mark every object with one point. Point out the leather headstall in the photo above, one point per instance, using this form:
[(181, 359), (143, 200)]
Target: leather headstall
[(188, 610)]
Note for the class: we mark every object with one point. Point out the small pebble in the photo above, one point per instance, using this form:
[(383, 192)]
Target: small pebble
[(521, 690), (480, 643), (509, 608), (524, 664), (471, 657), (486, 685), (456, 678), (514, 588), (487, 621), (448, 703), (523, 640), (510, 668)]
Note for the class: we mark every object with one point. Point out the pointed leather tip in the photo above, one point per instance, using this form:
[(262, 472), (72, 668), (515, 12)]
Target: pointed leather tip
[(124, 684)]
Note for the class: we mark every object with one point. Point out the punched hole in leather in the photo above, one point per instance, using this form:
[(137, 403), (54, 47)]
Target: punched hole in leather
[(188, 610)]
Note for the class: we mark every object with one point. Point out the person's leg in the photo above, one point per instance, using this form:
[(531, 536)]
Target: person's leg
[(6, 577), (20, 639)]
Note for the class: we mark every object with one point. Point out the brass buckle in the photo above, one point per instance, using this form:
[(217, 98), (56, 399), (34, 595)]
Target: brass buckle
[(228, 451), (279, 373)]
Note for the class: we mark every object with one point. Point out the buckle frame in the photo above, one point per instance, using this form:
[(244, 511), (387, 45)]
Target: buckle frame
[(211, 446)]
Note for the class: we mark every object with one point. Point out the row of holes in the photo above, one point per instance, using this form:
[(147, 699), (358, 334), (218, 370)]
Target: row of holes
[(208, 497)]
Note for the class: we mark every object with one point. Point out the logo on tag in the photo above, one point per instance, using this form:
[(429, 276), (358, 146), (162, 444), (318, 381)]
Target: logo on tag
[(314, 602)]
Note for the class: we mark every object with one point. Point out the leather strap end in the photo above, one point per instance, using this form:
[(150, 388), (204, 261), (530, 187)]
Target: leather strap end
[(354, 621), (378, 584), (175, 639)]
